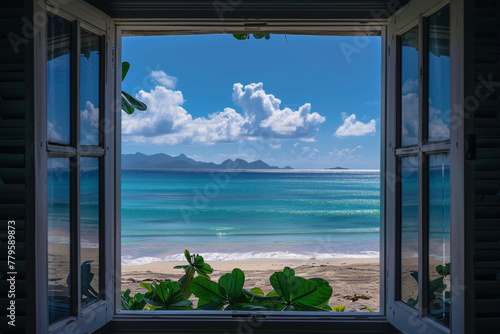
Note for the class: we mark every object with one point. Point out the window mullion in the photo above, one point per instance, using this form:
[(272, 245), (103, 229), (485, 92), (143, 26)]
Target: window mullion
[(75, 171), (423, 173)]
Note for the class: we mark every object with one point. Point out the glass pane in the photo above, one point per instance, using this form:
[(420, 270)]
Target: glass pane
[(58, 200), (409, 87), (439, 75), (58, 79), (89, 229), (439, 237), (409, 231), (89, 87)]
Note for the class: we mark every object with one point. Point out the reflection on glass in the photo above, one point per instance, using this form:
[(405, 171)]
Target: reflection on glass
[(58, 195), (89, 229), (409, 87), (58, 79), (89, 87), (439, 75), (439, 237), (409, 230)]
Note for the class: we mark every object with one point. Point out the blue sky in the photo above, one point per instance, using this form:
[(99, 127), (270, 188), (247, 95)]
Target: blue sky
[(303, 101)]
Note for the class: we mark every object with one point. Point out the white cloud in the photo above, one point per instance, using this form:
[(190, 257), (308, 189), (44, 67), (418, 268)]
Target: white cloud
[(409, 132), (90, 124), (275, 147), (345, 154), (410, 86), (167, 122), (52, 134), (163, 79), (352, 127), (265, 114), (371, 103), (296, 144)]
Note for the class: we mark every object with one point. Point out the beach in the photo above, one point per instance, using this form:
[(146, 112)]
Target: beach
[(352, 280)]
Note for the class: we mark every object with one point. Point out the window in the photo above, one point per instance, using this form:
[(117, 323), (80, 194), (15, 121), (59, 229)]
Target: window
[(73, 171), (75, 291), (422, 161)]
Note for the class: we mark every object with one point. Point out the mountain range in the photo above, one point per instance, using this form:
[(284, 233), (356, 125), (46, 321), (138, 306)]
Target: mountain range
[(165, 161)]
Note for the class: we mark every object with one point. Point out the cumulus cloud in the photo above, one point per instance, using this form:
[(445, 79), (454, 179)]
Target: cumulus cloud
[(52, 134), (296, 144), (167, 122), (264, 112), (275, 147), (345, 154), (352, 127), (163, 79), (90, 124)]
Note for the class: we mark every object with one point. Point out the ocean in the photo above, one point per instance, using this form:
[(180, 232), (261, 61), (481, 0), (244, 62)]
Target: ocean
[(296, 214)]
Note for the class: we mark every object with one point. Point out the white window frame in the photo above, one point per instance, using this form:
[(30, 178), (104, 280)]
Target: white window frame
[(97, 314), (402, 316), (134, 27)]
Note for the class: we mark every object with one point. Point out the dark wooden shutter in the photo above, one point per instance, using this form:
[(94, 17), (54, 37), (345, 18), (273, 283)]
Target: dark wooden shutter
[(13, 148), (486, 118)]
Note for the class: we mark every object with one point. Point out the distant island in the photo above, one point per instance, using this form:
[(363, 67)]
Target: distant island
[(165, 161), (337, 168)]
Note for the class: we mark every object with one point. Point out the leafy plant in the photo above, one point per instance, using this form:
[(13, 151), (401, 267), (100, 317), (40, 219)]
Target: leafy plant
[(242, 37), (291, 293), (438, 296), (136, 302), (296, 293), (197, 264), (166, 295), (226, 294), (129, 103)]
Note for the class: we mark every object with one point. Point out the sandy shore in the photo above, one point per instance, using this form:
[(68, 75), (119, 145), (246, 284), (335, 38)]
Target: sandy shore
[(348, 277)]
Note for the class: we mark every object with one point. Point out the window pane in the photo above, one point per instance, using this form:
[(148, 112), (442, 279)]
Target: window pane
[(409, 87), (409, 230), (89, 229), (439, 237), (439, 75), (58, 200), (89, 87), (58, 79)]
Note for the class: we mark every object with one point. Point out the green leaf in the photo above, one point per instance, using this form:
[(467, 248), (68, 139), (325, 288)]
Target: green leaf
[(146, 286), (125, 68), (289, 272), (185, 282), (134, 102), (233, 283), (181, 267), (127, 107), (240, 37), (207, 290), (281, 284), (319, 296), (272, 294), (268, 36), (198, 261), (257, 291), (207, 269), (182, 303), (188, 256)]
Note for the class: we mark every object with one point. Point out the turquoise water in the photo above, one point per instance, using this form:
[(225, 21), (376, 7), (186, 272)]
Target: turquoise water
[(249, 214)]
